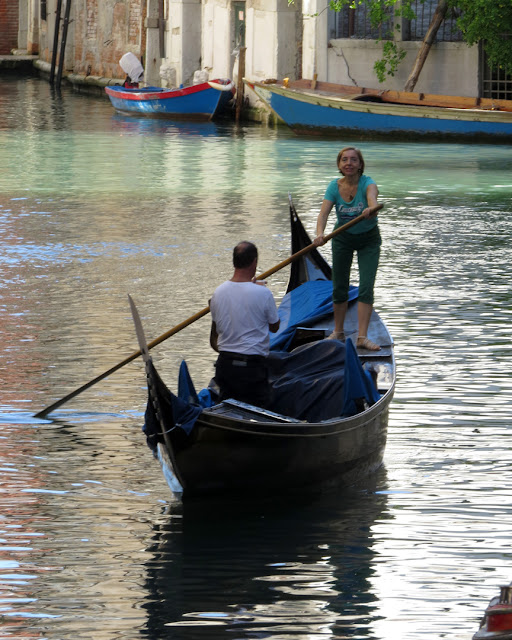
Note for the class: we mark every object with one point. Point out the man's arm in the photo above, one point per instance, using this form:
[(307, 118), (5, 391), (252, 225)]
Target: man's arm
[(214, 338), (274, 326)]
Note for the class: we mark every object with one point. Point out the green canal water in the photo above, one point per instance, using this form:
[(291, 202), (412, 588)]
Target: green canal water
[(95, 206)]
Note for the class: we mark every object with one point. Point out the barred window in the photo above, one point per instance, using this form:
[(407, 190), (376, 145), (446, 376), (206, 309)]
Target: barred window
[(355, 23), (424, 10), (495, 83)]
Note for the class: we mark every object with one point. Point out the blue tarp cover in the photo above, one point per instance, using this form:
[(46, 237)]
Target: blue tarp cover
[(303, 306), (175, 412)]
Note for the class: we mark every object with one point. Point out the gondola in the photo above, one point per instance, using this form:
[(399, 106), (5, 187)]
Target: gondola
[(327, 423)]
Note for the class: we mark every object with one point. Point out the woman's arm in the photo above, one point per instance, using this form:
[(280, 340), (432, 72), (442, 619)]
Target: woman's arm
[(321, 222), (372, 193)]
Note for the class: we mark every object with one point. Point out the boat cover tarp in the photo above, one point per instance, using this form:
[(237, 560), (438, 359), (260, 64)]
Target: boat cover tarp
[(320, 381), (175, 412), (307, 383), (303, 306), (316, 381)]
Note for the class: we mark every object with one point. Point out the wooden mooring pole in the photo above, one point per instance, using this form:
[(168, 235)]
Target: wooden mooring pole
[(55, 40), (240, 83), (64, 38)]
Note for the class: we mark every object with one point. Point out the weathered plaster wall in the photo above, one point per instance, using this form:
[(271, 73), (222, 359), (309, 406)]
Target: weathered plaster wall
[(218, 39), (450, 68), (273, 39), (183, 38)]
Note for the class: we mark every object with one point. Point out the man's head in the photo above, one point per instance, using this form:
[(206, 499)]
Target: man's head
[(244, 254)]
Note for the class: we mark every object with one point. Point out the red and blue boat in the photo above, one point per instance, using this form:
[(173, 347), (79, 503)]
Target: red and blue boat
[(497, 621), (202, 101), (310, 107)]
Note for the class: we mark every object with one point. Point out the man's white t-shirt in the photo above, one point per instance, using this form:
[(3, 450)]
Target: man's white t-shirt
[(242, 312)]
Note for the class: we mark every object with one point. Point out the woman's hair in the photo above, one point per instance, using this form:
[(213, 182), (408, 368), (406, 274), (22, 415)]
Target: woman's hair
[(360, 155)]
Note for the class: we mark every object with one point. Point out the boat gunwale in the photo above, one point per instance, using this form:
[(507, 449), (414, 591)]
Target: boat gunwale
[(392, 96), (387, 108), (124, 93)]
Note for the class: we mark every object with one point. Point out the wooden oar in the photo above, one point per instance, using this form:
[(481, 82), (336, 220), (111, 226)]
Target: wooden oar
[(44, 412), (310, 247)]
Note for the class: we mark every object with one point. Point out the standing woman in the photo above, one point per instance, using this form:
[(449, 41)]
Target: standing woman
[(353, 194)]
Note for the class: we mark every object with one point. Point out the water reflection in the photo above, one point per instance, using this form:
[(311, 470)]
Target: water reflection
[(137, 125), (281, 569)]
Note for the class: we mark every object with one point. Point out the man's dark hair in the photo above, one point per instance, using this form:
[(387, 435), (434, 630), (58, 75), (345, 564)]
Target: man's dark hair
[(244, 254)]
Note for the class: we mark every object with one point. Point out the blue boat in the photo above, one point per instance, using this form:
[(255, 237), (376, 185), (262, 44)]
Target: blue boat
[(199, 102), (317, 108)]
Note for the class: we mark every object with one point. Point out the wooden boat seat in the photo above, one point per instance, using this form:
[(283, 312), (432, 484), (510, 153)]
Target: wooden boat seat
[(244, 411)]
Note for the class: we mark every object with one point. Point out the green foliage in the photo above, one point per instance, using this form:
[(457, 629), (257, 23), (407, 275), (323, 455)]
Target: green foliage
[(392, 56), (489, 21)]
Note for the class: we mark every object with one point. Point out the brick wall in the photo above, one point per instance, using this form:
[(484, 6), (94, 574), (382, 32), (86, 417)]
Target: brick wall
[(8, 26), (103, 32)]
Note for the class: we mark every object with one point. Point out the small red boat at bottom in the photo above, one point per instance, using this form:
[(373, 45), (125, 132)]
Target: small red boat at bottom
[(497, 620)]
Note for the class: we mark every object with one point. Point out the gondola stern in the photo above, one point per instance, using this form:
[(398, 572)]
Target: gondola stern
[(311, 266)]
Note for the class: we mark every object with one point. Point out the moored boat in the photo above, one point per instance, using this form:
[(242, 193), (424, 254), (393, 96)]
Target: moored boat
[(327, 423), (201, 101), (326, 108), (497, 621)]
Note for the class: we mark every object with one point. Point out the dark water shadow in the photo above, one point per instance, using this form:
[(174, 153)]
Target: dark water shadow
[(266, 569)]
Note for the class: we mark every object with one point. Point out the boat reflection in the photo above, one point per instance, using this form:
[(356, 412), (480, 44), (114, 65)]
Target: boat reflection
[(137, 125), (281, 567)]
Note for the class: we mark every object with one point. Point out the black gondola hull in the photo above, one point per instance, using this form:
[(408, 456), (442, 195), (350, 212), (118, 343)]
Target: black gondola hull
[(224, 456)]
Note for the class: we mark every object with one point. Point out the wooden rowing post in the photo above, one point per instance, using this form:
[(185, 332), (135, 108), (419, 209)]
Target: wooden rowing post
[(313, 82), (240, 83)]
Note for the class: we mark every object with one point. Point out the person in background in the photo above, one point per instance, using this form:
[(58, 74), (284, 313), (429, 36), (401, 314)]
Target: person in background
[(243, 313), (352, 195)]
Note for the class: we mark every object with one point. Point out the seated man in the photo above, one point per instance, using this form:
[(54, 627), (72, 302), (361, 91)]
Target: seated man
[(243, 313)]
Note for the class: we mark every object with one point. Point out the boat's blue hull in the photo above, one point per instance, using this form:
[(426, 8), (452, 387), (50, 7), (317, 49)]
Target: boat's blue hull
[(202, 101), (307, 113)]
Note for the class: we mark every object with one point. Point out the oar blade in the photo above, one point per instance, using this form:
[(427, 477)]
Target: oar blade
[(139, 330)]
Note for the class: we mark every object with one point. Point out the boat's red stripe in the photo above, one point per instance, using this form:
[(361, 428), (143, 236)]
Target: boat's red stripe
[(499, 620), (160, 95)]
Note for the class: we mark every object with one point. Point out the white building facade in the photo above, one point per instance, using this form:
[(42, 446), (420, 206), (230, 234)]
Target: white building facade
[(303, 39)]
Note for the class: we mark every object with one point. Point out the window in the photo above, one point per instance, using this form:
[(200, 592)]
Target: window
[(355, 23), (495, 83), (448, 31)]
